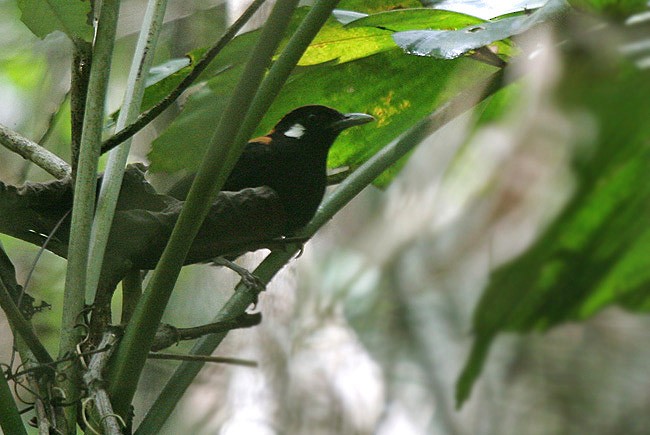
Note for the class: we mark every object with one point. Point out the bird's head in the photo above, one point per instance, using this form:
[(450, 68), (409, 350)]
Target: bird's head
[(319, 124)]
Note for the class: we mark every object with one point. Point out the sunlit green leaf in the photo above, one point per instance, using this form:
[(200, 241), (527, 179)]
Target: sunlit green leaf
[(337, 43), (414, 19), (378, 6)]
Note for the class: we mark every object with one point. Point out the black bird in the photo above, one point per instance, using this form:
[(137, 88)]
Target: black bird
[(291, 159)]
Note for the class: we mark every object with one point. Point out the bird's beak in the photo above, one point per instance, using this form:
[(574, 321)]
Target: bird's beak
[(350, 120)]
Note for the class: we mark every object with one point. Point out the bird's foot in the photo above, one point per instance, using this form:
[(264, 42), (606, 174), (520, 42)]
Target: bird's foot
[(248, 279)]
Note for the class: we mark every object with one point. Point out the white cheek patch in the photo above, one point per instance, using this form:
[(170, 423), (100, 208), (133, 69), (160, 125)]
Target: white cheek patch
[(296, 131)]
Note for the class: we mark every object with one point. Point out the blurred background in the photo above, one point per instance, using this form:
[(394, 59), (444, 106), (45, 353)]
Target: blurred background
[(368, 330)]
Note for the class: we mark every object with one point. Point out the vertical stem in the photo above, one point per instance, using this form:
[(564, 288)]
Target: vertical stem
[(81, 60), (84, 199), (112, 180)]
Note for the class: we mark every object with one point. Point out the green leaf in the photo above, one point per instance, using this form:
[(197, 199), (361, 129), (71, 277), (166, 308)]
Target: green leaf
[(378, 6), (485, 9), (341, 44), (455, 43), (595, 253), (396, 103), (351, 35), (413, 19), (71, 17), (182, 145)]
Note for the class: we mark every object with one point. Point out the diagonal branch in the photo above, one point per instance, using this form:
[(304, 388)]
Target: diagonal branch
[(168, 335), (33, 152)]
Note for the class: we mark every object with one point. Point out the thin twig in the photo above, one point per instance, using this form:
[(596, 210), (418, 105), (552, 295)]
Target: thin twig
[(149, 115), (203, 358), (168, 335), (35, 153)]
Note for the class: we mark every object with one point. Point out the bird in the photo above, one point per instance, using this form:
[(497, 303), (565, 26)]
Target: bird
[(291, 159)]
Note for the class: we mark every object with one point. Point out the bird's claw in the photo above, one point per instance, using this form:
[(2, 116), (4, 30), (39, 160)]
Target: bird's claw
[(247, 278)]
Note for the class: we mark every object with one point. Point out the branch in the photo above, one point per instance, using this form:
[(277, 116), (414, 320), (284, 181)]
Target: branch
[(117, 158), (83, 206), (203, 358), (22, 327), (149, 115), (95, 384), (35, 153), (168, 335)]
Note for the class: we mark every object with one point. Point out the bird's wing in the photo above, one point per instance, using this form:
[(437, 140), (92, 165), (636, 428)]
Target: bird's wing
[(249, 170), (253, 166)]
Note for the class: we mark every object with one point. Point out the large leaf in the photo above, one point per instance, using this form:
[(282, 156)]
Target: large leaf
[(595, 253), (374, 85), (378, 6), (336, 43), (413, 19), (68, 16), (454, 43), (182, 145), (353, 35)]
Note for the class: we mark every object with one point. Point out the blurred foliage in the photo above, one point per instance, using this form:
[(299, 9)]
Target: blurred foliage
[(611, 8), (595, 253)]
